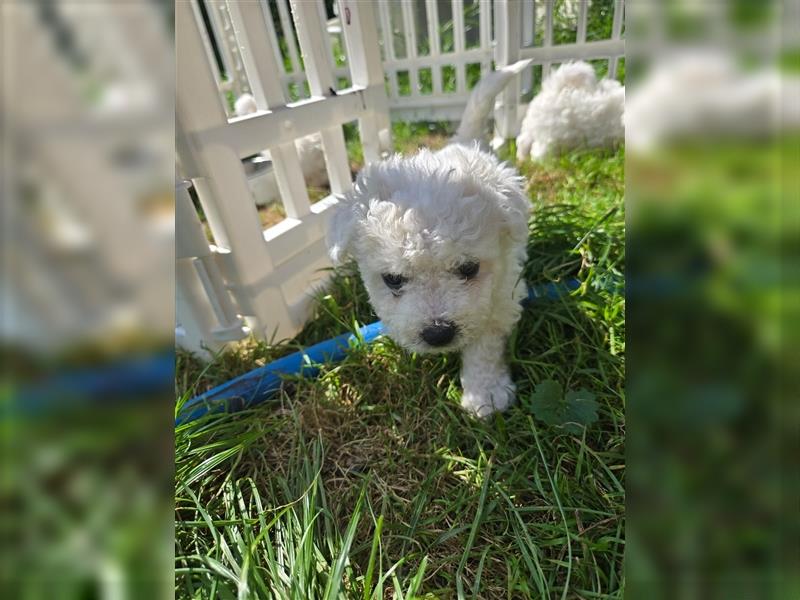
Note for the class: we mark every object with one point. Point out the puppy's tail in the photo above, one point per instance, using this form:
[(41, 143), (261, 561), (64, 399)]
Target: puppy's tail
[(481, 102)]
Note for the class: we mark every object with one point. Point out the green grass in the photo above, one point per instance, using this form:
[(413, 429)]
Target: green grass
[(371, 482), (714, 298)]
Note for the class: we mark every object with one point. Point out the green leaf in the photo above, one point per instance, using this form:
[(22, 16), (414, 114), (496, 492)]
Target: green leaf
[(547, 402), (581, 410), (571, 412)]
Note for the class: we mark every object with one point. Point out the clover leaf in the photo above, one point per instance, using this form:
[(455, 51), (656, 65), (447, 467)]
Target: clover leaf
[(571, 412)]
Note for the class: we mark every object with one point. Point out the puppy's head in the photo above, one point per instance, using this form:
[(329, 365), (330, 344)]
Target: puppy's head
[(432, 235)]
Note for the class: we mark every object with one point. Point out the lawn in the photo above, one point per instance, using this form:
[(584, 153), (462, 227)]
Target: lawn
[(371, 482)]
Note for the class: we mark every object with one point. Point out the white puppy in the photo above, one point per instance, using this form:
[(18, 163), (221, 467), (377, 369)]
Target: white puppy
[(440, 240), (573, 110), (702, 95)]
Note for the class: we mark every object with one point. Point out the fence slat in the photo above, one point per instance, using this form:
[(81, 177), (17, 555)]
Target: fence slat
[(563, 52), (273, 37), (459, 45), (262, 67), (361, 38), (214, 219), (411, 46), (210, 53), (316, 57), (326, 39), (583, 5), (286, 124), (388, 31), (507, 51), (226, 42), (528, 30), (616, 33), (432, 12), (547, 39), (191, 244), (190, 240), (193, 312), (485, 23), (194, 263), (290, 180), (388, 46), (366, 71), (288, 35), (258, 54)]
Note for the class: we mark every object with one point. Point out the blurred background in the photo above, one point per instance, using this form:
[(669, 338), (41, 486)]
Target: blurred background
[(87, 298), (712, 288), (713, 285)]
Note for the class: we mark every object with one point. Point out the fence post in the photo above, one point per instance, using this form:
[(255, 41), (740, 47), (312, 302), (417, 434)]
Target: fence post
[(388, 43), (457, 8), (229, 49), (616, 33), (191, 246), (528, 37), (202, 304), (288, 34), (411, 46), (432, 15), (317, 59), (583, 7), (363, 51), (547, 38), (507, 33)]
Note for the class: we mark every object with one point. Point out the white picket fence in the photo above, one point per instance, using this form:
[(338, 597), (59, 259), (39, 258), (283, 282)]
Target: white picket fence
[(251, 280)]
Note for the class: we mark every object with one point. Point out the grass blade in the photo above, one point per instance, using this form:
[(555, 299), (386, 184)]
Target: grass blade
[(335, 581), (416, 582), (373, 553), (476, 521)]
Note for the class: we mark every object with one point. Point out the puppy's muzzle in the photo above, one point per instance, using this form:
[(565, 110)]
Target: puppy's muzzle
[(439, 333)]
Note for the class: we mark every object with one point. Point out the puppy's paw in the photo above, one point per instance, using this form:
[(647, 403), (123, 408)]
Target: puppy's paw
[(483, 401)]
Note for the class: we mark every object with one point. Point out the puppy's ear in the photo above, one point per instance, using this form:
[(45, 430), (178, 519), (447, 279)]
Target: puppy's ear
[(349, 215), (341, 230), (505, 191), (515, 207)]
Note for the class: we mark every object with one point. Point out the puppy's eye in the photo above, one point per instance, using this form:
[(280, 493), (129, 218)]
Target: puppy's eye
[(469, 269), (393, 281)]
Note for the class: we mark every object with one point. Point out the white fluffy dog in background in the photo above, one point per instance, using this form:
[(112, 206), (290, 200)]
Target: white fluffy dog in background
[(573, 110), (309, 151), (440, 240), (703, 95)]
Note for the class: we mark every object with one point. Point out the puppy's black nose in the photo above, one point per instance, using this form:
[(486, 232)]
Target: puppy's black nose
[(439, 333)]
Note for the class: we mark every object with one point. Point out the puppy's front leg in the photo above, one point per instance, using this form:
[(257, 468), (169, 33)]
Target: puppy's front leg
[(485, 377)]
